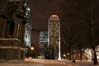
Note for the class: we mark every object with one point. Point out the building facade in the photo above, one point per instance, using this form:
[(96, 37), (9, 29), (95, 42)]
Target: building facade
[(54, 36), (12, 31)]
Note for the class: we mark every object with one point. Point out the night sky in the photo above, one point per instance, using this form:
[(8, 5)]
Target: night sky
[(75, 19), (41, 11)]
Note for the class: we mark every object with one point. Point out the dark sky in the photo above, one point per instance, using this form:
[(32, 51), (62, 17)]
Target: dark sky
[(41, 11), (74, 16)]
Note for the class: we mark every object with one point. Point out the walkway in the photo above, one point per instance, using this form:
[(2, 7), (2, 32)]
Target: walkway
[(45, 62)]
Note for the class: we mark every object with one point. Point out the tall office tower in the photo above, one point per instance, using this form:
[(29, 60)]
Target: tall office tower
[(54, 36)]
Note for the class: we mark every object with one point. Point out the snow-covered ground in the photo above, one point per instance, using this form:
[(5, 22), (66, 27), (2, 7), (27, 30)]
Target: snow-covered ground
[(45, 62)]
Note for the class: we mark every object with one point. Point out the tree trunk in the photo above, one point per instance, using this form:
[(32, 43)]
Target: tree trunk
[(95, 61), (80, 55)]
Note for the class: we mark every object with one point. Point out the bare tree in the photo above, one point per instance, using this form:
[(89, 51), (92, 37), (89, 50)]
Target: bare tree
[(92, 28)]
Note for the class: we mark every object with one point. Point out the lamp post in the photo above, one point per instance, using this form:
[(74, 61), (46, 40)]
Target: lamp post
[(92, 25), (32, 48), (59, 45)]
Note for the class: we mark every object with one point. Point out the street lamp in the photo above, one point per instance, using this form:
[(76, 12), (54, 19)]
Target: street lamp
[(32, 48)]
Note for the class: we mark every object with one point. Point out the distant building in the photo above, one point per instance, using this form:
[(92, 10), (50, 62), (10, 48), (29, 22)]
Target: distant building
[(53, 36), (43, 43)]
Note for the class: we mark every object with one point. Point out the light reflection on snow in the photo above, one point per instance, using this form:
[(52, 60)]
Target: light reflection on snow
[(88, 52)]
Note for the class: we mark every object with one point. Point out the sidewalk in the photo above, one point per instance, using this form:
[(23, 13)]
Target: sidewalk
[(45, 62)]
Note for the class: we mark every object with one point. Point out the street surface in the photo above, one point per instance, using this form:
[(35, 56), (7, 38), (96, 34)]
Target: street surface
[(45, 62)]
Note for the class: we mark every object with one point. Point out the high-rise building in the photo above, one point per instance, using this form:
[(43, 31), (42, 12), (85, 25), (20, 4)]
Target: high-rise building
[(53, 36)]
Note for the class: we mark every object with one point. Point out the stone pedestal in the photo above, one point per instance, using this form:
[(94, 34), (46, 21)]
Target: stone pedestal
[(11, 49)]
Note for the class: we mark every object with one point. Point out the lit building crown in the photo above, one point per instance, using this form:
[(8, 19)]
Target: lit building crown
[(54, 17)]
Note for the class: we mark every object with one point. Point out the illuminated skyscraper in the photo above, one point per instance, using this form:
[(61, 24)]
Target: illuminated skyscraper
[(54, 36)]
